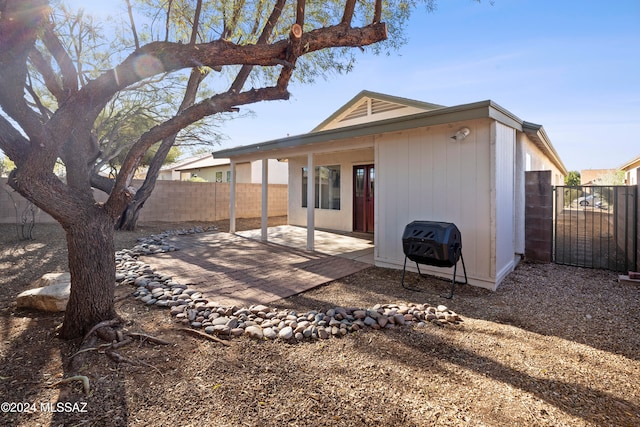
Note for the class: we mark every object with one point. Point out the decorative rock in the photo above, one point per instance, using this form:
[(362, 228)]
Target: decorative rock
[(220, 321), (399, 319), (369, 321), (382, 321), (254, 332), (255, 309), (236, 332), (360, 314), (190, 307), (269, 333), (221, 330), (286, 333), (51, 294)]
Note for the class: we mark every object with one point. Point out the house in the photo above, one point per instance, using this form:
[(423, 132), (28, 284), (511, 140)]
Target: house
[(219, 170), (631, 171), (380, 162), (600, 177)]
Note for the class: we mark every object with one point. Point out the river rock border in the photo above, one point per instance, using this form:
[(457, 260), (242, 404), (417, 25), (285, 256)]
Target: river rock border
[(190, 308)]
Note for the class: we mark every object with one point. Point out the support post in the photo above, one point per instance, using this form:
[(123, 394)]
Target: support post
[(311, 202), (265, 199)]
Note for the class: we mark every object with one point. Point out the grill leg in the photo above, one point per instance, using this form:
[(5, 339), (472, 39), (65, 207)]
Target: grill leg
[(404, 269), (453, 282)]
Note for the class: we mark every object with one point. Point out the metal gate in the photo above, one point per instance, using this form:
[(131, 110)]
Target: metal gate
[(596, 227)]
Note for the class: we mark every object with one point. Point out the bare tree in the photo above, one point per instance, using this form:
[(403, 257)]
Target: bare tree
[(34, 136)]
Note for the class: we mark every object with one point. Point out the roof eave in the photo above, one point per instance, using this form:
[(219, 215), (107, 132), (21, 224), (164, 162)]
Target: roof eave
[(539, 136), (477, 110)]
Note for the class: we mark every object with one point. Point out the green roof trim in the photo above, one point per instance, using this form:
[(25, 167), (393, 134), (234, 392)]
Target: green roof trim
[(444, 115), (538, 135)]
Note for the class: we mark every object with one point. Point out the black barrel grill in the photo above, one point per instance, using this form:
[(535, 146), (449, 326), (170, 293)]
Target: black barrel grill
[(433, 243)]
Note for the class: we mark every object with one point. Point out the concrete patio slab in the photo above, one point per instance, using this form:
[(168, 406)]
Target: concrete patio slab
[(234, 270), (329, 243)]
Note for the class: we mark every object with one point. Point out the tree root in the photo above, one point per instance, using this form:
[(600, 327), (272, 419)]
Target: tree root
[(204, 335), (103, 324), (116, 339), (84, 350), (145, 337), (84, 379), (118, 358)]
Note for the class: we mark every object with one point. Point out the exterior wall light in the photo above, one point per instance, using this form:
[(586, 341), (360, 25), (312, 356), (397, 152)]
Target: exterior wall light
[(461, 134)]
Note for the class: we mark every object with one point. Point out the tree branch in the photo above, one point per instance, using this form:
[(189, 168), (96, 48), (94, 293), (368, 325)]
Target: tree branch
[(377, 13), (12, 142), (67, 69), (349, 9), (224, 102), (19, 26), (168, 57), (45, 69), (244, 72), (196, 23), (132, 22)]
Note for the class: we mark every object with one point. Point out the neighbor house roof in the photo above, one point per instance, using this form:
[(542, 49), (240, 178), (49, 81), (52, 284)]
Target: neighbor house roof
[(205, 161), (436, 115), (631, 164)]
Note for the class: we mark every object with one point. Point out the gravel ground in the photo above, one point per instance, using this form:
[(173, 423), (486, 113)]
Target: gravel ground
[(554, 346)]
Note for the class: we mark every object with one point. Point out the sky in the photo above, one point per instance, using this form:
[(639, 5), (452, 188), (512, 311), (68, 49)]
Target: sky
[(571, 66)]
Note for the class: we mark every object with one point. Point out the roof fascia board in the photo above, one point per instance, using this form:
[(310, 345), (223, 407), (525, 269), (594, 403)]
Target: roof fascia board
[(504, 116), (441, 116), (331, 146), (539, 135)]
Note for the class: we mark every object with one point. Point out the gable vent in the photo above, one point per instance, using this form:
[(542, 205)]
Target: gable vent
[(378, 106), (360, 111)]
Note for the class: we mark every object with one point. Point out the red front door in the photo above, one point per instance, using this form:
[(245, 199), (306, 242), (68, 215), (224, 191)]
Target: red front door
[(363, 196)]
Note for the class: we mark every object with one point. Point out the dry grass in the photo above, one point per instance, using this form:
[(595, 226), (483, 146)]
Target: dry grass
[(554, 345)]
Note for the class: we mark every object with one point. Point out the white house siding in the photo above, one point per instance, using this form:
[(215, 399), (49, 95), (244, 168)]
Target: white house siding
[(538, 161), (505, 199), (278, 172), (327, 218), (425, 175)]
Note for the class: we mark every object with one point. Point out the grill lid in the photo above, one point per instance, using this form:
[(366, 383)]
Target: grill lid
[(432, 243)]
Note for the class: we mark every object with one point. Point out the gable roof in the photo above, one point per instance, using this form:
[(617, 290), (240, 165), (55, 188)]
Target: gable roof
[(431, 115), (368, 106)]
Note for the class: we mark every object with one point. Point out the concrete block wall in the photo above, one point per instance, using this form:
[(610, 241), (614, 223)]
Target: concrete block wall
[(538, 216), (176, 201), (638, 221)]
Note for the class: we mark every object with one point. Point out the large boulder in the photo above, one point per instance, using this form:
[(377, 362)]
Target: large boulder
[(51, 293)]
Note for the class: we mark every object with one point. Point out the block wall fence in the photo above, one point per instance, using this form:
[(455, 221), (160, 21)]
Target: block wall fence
[(174, 201)]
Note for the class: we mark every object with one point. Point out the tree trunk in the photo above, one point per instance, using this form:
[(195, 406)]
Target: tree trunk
[(129, 218), (92, 266)]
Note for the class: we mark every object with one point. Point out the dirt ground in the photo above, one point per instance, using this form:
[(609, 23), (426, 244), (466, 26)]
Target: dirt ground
[(554, 346)]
